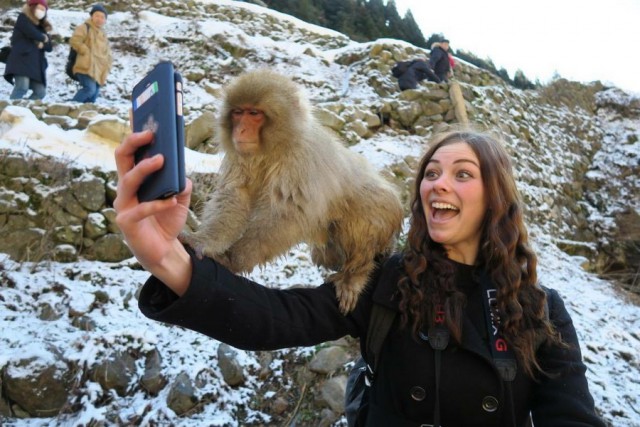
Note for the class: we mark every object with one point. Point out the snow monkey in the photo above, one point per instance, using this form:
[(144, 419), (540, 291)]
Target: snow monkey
[(285, 179)]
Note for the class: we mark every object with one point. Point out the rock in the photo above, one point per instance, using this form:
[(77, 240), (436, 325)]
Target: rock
[(115, 372), (199, 130), (111, 248), (182, 396), (265, 358), (332, 392), (15, 166), (230, 367), (111, 128), (328, 360), (21, 244), (110, 214), (153, 380), (65, 199), (48, 313), (329, 119), (279, 405), (69, 234), (39, 385), (359, 128), (65, 253), (408, 113), (95, 226), (84, 323), (90, 192)]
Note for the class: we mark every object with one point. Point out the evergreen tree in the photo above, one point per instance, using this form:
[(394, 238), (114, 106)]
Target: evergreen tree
[(364, 26), (504, 75), (376, 12), (433, 38), (307, 11), (521, 81), (395, 26), (412, 31)]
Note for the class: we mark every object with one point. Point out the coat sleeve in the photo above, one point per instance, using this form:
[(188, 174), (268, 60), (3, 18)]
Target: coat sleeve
[(78, 39), (28, 29), (247, 315), (48, 46), (563, 397), (434, 57)]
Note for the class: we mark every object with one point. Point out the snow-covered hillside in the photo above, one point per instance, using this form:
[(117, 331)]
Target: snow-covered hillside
[(199, 39)]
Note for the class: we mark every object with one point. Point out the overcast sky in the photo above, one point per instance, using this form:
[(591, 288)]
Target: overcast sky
[(582, 40)]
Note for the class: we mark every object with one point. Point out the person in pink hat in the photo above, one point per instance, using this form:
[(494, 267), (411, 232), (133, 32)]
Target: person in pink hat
[(27, 64)]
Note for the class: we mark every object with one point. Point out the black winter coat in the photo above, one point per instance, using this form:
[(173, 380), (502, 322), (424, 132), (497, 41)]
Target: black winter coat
[(439, 62), (415, 71), (26, 59), (249, 316)]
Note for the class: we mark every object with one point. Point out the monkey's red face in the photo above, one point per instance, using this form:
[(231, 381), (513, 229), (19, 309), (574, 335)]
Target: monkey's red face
[(247, 121)]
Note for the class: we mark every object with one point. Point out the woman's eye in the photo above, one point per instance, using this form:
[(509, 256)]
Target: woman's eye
[(430, 174)]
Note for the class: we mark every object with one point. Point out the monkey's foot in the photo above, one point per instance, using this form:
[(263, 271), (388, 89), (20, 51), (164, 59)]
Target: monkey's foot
[(347, 296)]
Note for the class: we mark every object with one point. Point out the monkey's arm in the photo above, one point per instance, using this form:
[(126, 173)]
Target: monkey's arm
[(247, 315), (224, 220)]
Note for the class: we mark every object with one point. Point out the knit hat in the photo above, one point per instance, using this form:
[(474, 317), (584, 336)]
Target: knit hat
[(37, 2), (98, 8)]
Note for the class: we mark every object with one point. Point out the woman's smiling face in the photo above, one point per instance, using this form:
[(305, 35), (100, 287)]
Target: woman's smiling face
[(453, 199)]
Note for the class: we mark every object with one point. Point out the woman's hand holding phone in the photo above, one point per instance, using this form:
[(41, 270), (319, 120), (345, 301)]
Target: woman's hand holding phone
[(151, 228)]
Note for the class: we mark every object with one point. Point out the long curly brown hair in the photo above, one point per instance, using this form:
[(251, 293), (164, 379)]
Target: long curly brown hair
[(504, 254)]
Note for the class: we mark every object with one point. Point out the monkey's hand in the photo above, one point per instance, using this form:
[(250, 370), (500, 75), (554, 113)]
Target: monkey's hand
[(188, 239), (200, 249)]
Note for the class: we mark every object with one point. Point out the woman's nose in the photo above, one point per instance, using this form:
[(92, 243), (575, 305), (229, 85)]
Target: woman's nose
[(441, 184)]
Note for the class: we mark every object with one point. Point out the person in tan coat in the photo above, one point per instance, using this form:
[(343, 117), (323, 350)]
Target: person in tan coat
[(94, 59)]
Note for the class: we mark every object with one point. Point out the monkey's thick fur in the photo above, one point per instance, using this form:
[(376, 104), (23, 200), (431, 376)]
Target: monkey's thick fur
[(302, 186)]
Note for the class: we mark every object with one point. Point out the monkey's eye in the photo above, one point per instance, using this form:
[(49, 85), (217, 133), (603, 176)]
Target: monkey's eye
[(254, 112), (237, 112)]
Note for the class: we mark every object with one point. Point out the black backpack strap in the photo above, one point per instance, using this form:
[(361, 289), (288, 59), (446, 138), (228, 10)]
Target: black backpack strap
[(381, 317), (379, 325)]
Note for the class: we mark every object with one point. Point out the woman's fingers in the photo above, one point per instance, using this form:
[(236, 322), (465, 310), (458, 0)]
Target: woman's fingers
[(125, 152), (129, 182), (142, 211)]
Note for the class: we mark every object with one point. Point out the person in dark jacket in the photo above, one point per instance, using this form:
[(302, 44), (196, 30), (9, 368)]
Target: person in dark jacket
[(410, 73), (439, 61), (27, 64), (466, 235)]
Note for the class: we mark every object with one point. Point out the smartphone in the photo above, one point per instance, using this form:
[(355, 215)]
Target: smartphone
[(156, 105)]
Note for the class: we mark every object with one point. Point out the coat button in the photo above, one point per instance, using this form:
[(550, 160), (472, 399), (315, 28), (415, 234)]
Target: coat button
[(417, 393), (489, 404)]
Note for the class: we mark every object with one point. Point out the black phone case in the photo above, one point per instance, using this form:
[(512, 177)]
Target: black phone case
[(157, 105)]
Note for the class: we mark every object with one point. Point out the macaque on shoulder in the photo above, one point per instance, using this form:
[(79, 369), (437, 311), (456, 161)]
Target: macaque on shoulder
[(285, 179)]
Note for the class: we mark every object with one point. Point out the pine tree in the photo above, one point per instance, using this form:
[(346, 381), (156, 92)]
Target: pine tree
[(395, 26), (376, 12), (412, 31), (521, 81), (433, 38)]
